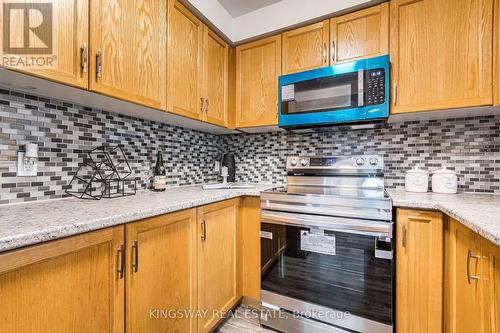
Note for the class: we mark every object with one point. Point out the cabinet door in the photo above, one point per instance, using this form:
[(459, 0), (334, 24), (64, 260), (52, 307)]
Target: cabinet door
[(185, 38), (217, 278), (490, 280), (306, 48), (258, 66), (463, 292), (361, 34), (215, 82), (439, 59), (419, 276), (161, 259), (128, 50), (68, 285), (68, 37), (496, 53)]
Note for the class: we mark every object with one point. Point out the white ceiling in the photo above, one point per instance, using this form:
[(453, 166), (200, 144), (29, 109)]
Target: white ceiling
[(241, 20), (239, 7)]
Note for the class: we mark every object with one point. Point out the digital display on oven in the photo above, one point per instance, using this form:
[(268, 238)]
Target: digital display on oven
[(324, 161)]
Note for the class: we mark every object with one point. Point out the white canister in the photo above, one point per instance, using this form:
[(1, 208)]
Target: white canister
[(417, 180), (444, 181)]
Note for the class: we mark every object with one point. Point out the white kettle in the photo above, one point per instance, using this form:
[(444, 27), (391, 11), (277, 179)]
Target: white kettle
[(417, 180), (444, 181)]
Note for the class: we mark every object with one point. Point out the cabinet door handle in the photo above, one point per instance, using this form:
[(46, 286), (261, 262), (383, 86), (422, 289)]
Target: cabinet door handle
[(403, 234), (333, 52), (121, 257), (99, 64), (203, 231), (135, 261), (325, 53), (394, 93), (202, 102), (471, 277), (206, 105), (84, 51)]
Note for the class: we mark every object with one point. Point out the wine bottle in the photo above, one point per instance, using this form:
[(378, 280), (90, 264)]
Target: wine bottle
[(160, 175)]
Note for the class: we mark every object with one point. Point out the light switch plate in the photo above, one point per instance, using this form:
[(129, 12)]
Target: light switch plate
[(25, 170)]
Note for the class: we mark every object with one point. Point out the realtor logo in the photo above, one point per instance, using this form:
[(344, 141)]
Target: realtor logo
[(27, 28)]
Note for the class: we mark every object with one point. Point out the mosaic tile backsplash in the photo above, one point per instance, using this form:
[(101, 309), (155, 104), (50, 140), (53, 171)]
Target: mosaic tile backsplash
[(65, 132), (470, 146)]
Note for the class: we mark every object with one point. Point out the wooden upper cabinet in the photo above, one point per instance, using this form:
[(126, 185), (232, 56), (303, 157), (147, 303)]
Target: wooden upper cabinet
[(128, 50), (306, 48), (70, 39), (496, 53), (161, 272), (441, 54), (361, 34), (68, 285), (215, 80), (185, 42), (258, 66), (217, 263), (419, 276)]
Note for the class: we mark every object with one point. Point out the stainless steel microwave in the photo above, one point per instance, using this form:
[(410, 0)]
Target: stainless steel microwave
[(352, 92)]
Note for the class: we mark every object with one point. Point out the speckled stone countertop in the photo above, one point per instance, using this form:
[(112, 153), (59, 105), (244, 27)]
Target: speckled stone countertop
[(479, 212), (32, 223)]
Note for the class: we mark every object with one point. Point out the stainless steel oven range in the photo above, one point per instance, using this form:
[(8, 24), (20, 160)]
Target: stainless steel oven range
[(326, 248)]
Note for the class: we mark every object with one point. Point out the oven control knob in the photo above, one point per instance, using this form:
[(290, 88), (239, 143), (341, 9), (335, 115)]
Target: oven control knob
[(303, 162), (373, 161), (293, 162), (360, 161)]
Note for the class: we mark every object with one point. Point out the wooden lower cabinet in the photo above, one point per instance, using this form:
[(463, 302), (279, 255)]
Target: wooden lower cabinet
[(419, 271), (161, 273), (217, 264), (155, 275), (472, 281), (68, 285)]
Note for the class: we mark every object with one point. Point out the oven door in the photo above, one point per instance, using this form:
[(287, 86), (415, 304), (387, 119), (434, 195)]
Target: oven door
[(321, 267)]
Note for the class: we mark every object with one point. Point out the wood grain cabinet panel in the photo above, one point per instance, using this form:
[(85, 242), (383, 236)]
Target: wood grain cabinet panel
[(128, 50), (490, 279), (68, 285), (185, 42), (217, 264), (441, 54), (472, 281), (361, 34), (419, 276), (463, 295), (258, 66), (215, 80), (496, 53), (164, 250), (306, 48), (70, 39)]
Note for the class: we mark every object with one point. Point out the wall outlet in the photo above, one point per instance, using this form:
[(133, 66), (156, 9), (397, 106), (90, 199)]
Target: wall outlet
[(217, 166), (26, 169)]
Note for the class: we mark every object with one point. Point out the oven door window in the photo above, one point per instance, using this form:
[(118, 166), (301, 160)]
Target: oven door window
[(332, 269), (322, 94)]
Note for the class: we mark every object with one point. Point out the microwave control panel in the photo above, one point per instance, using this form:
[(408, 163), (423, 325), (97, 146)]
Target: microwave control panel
[(375, 86)]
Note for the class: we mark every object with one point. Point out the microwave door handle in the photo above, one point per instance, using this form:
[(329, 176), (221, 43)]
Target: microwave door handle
[(361, 87), (353, 226)]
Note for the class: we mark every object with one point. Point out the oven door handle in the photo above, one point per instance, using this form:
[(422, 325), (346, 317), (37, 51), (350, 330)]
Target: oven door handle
[(331, 223)]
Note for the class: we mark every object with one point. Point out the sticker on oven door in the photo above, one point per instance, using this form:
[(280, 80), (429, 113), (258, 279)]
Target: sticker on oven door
[(288, 93), (317, 242)]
